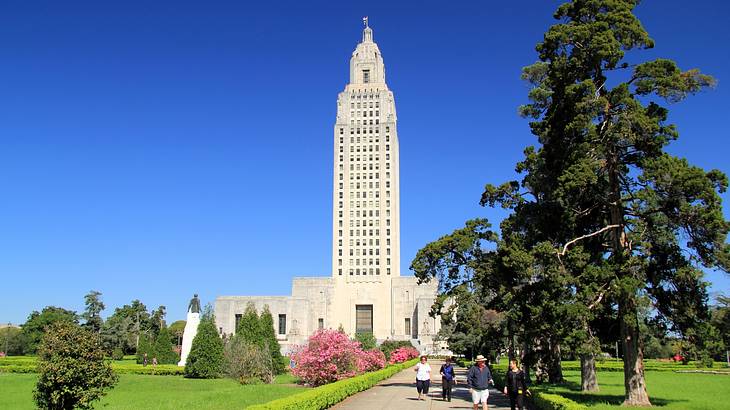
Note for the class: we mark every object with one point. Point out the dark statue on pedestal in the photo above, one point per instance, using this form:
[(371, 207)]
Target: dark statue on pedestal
[(194, 306)]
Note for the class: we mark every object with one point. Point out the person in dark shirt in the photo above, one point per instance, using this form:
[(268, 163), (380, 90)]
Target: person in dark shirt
[(515, 386), (478, 379), (447, 379)]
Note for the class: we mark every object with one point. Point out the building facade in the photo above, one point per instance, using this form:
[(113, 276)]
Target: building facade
[(365, 292)]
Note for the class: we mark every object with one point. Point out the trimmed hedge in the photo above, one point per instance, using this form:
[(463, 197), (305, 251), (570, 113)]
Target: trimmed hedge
[(324, 397), (27, 364), (549, 401), (541, 398), (19, 368)]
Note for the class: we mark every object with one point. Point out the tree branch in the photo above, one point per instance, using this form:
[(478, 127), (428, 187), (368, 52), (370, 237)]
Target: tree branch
[(600, 231)]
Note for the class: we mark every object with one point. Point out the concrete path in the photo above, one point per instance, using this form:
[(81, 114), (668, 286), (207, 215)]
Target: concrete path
[(399, 393)]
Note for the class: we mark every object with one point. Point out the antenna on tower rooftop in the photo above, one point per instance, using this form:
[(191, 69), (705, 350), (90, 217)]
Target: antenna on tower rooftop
[(365, 21)]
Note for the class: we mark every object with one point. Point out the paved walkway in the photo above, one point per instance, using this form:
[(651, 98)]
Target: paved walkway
[(399, 392)]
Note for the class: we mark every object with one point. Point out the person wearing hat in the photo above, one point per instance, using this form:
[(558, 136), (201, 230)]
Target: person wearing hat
[(478, 379)]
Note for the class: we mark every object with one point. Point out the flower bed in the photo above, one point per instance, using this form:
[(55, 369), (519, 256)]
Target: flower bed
[(330, 356), (403, 354)]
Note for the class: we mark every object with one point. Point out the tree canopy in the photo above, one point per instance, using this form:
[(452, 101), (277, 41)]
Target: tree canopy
[(604, 218)]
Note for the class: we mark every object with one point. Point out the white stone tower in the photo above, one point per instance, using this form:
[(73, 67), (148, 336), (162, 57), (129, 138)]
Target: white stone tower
[(365, 292), (366, 204)]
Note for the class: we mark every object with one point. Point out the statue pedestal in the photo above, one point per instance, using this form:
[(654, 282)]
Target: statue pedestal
[(191, 329)]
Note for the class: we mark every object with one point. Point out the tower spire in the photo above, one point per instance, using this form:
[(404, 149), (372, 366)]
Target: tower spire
[(367, 33)]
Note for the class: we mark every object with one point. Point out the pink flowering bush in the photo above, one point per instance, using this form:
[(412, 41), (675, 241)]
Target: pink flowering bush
[(370, 360), (403, 354), (329, 356)]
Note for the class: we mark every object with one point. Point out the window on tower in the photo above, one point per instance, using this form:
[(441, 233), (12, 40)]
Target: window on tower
[(365, 76)]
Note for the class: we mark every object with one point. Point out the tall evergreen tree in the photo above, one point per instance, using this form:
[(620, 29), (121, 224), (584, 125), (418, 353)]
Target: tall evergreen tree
[(249, 327), (92, 313), (163, 347), (268, 334), (145, 347), (645, 220), (205, 360)]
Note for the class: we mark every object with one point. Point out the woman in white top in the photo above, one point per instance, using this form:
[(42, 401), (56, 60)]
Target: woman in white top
[(423, 377)]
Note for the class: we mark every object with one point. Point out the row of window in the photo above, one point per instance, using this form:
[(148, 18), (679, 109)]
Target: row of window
[(370, 130), (365, 242), (365, 271), (366, 185), (369, 140), (365, 232), (365, 204), (365, 194), (355, 167), (354, 130), (364, 105), (365, 158), (371, 262), (365, 252), (365, 214), (365, 222), (366, 96), (365, 148), (355, 114)]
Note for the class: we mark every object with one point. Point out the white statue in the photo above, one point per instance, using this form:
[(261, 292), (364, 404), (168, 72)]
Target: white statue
[(191, 329)]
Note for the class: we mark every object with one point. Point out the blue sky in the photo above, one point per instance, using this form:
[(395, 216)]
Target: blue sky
[(150, 150)]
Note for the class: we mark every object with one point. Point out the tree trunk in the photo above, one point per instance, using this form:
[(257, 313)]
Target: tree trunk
[(555, 369), (588, 377), (526, 365), (634, 382)]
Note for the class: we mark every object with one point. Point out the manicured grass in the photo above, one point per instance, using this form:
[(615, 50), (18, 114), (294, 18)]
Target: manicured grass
[(667, 390), (155, 392)]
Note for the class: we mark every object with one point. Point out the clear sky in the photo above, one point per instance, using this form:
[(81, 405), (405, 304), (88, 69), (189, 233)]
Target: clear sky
[(153, 149)]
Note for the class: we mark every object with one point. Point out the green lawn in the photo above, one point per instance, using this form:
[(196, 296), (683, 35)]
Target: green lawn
[(158, 392), (667, 390)]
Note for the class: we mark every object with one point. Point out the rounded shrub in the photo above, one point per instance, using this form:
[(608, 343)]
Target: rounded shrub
[(72, 371)]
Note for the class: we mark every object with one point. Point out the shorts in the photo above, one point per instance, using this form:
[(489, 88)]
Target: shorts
[(479, 396)]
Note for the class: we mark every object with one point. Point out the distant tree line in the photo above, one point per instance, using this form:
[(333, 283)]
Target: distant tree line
[(127, 328)]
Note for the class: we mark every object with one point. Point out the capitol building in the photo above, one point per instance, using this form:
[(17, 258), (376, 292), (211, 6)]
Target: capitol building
[(365, 292)]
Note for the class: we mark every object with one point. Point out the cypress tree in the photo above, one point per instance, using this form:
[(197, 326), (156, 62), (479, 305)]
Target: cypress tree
[(163, 348), (145, 346), (269, 337), (630, 220), (205, 360), (249, 328)]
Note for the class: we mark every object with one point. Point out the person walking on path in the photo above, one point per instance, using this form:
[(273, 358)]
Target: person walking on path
[(478, 379), (515, 386), (423, 377), (447, 379)]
